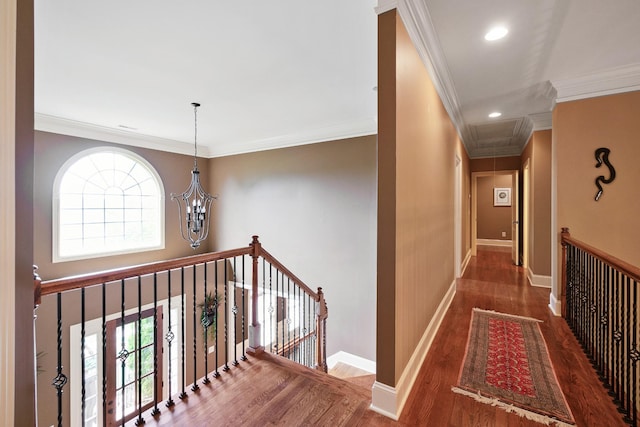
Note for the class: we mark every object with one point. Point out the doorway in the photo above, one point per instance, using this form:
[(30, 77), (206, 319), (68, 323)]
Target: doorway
[(509, 228)]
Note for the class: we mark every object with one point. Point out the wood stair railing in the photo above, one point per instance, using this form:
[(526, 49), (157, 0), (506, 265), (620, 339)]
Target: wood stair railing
[(600, 297), (252, 306)]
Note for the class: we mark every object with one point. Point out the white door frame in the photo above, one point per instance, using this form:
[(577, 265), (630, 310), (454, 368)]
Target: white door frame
[(457, 217), (526, 213), (474, 204), (8, 30)]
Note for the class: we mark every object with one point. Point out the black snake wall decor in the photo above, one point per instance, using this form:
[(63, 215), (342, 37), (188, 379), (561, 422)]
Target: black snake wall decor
[(602, 156)]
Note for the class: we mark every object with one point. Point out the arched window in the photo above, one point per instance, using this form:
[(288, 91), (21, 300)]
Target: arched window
[(106, 201)]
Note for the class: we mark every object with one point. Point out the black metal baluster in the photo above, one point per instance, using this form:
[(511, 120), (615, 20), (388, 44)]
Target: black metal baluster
[(123, 351), (608, 330), (235, 315), (244, 334), (277, 347), (156, 398), (104, 354), (271, 307), (83, 392), (634, 355), (297, 325), (288, 317), (616, 338), (205, 336), (264, 302), (627, 378), (194, 386), (169, 337), (60, 379), (284, 316), (216, 374), (140, 419), (226, 318), (183, 393)]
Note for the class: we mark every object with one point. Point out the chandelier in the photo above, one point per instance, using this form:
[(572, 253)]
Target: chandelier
[(195, 203)]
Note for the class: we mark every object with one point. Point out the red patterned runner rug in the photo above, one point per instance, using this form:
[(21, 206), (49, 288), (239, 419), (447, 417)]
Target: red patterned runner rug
[(506, 364)]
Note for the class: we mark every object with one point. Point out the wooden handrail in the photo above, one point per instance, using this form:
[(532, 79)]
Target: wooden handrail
[(620, 265), (84, 280), (267, 256)]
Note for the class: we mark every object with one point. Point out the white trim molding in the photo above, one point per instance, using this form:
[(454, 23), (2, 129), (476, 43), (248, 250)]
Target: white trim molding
[(541, 121), (53, 124), (389, 401), (465, 263), (554, 305), (495, 242), (609, 82), (538, 280), (353, 360), (8, 16), (385, 6)]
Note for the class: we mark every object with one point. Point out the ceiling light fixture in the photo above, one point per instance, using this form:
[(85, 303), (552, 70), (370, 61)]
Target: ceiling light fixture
[(195, 202), (495, 114), (496, 33)]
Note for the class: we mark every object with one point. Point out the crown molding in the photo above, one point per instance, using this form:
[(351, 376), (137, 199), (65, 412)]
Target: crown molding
[(47, 123), (346, 130), (417, 19), (541, 121), (385, 6), (353, 129), (609, 82)]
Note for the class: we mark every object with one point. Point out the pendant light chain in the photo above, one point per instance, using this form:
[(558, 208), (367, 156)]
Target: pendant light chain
[(195, 134)]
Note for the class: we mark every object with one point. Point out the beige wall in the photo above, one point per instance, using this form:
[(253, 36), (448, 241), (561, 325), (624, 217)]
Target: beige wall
[(538, 153), (24, 396), (314, 208), (493, 220), (52, 150), (417, 143), (579, 128)]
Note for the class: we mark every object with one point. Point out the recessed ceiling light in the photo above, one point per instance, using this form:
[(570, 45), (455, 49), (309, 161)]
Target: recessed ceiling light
[(495, 114), (496, 33)]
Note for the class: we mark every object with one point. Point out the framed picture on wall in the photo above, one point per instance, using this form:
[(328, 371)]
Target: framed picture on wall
[(502, 197)]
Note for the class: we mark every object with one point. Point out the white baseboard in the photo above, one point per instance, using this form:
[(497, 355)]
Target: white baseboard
[(353, 360), (465, 263), (494, 242), (389, 401), (555, 305), (538, 280)]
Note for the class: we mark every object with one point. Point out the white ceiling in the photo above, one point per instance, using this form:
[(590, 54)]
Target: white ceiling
[(288, 72)]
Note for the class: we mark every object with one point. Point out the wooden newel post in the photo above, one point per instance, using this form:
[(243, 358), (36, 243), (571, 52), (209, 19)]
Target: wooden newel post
[(255, 346), (563, 284), (321, 333)]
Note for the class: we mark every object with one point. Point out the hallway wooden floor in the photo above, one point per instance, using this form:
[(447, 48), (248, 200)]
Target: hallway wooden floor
[(492, 282), (268, 391)]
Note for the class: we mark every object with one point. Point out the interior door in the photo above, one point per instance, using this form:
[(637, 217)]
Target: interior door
[(515, 222)]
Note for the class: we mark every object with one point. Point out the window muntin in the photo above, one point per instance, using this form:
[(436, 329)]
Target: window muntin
[(107, 201)]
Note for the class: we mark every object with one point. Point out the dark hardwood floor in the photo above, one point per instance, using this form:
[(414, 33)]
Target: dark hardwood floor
[(267, 390)]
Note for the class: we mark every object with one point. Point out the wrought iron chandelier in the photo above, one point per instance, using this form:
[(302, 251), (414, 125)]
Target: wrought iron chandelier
[(194, 205)]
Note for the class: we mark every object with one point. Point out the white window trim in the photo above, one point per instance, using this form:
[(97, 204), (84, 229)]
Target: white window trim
[(56, 206)]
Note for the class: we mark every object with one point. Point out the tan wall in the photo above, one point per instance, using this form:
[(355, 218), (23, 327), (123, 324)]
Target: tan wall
[(24, 396), (493, 220), (51, 151), (314, 208), (538, 152), (580, 127), (416, 145)]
